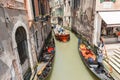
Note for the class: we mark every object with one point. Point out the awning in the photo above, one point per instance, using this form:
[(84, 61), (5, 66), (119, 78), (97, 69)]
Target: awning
[(111, 18)]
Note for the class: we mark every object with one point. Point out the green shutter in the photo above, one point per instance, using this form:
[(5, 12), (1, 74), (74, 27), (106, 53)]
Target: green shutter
[(113, 0), (104, 0), (101, 1)]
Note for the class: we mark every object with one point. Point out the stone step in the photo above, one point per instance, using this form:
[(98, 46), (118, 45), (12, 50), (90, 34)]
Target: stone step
[(117, 55), (116, 59), (115, 62), (115, 67), (117, 52)]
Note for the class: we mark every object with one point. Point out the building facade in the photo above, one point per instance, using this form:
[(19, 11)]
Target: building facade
[(107, 26), (67, 18), (106, 22), (57, 11), (100, 18), (83, 18), (25, 26)]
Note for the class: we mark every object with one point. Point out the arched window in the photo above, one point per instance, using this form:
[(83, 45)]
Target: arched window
[(22, 47)]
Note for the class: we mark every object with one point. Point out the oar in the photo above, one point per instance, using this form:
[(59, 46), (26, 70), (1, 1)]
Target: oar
[(107, 59)]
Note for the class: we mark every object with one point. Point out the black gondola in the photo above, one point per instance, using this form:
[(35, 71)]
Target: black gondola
[(92, 64), (46, 59)]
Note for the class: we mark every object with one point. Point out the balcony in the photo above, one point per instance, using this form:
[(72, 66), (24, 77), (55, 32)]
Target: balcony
[(42, 18), (107, 5)]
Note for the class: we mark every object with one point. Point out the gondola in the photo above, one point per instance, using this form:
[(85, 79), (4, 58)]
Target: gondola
[(61, 34), (46, 60), (89, 58)]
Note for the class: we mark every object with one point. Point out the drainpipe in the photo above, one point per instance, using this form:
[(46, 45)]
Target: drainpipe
[(97, 28), (29, 9)]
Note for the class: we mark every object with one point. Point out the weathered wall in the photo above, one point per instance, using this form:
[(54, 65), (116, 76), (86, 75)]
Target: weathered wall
[(4, 59), (13, 16), (18, 4), (8, 19), (83, 19)]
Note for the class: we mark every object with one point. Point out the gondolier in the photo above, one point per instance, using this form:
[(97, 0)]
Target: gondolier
[(100, 66), (101, 44)]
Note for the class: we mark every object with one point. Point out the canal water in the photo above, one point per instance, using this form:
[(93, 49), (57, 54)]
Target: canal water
[(68, 64)]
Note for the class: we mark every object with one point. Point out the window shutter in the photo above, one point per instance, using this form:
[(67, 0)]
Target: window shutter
[(113, 0), (105, 0), (101, 1)]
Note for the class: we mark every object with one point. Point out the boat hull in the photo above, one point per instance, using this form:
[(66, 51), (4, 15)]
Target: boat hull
[(62, 37), (47, 60)]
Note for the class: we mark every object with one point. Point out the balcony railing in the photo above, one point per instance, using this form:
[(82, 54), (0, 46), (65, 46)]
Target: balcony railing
[(42, 18)]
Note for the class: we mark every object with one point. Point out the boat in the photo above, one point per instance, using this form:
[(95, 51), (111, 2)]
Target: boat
[(89, 58), (45, 65), (61, 34)]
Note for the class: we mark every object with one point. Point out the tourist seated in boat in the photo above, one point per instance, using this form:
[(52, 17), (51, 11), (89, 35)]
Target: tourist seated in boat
[(87, 54), (90, 56), (61, 29), (51, 50)]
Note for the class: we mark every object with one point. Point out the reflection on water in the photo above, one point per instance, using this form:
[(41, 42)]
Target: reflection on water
[(68, 64)]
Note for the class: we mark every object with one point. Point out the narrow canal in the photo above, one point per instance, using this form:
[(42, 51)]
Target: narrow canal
[(68, 64)]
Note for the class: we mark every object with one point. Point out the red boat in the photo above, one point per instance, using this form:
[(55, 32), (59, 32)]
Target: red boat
[(62, 37), (61, 34)]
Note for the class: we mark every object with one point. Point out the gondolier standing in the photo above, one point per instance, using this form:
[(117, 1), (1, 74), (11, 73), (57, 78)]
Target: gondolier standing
[(101, 44), (100, 66), (100, 56)]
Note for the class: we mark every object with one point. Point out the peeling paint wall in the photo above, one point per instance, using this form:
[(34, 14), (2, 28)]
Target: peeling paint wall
[(8, 19), (83, 17), (12, 16)]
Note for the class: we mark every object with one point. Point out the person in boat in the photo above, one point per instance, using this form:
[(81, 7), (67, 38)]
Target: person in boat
[(51, 50), (60, 30), (100, 66), (90, 56), (101, 44)]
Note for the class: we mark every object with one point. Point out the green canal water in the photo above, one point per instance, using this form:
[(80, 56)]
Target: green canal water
[(68, 64)]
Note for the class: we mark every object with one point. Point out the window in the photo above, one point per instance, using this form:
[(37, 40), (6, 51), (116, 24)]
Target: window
[(42, 9), (76, 4), (22, 46), (42, 35), (33, 7), (69, 3), (107, 0), (36, 39), (37, 8)]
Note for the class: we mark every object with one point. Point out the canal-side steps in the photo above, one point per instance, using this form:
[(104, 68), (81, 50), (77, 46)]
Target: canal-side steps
[(115, 60)]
